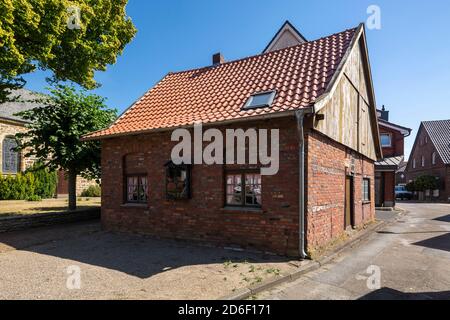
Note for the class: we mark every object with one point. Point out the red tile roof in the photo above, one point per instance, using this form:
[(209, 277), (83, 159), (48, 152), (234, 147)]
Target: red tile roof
[(299, 74)]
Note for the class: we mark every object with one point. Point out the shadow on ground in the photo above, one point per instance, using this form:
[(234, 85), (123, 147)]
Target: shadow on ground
[(391, 294), (135, 255), (439, 243)]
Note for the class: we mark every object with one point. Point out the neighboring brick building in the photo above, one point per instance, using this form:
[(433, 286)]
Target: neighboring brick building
[(317, 93), (431, 156), (392, 137), (12, 162)]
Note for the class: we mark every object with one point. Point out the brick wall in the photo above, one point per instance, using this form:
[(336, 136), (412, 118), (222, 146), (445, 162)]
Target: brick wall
[(327, 168), (274, 228), (203, 217), (397, 147)]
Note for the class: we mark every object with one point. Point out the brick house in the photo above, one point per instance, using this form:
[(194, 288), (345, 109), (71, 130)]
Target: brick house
[(390, 170), (431, 156), (12, 162), (317, 93)]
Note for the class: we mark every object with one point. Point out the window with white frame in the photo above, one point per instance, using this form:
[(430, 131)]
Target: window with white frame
[(243, 188), (136, 186), (414, 163), (433, 158), (423, 161), (260, 100), (386, 140), (366, 190)]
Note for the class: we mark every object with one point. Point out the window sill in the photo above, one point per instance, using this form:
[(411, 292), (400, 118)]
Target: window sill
[(135, 205), (366, 202), (242, 209)]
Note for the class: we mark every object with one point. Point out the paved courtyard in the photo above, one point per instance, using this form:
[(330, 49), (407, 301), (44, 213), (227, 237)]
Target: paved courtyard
[(411, 255), (40, 263)]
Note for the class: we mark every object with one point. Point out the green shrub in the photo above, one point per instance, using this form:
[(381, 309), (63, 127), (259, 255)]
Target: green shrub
[(92, 191), (34, 198), (423, 183), (36, 182)]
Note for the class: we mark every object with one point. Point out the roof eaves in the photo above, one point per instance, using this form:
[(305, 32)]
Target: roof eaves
[(274, 115), (405, 131)]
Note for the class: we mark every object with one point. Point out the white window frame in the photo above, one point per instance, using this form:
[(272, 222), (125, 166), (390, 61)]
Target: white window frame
[(366, 193), (423, 161), (390, 140), (433, 158), (271, 96)]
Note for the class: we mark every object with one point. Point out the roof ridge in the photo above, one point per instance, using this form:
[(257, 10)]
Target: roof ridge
[(428, 121), (299, 74), (261, 54)]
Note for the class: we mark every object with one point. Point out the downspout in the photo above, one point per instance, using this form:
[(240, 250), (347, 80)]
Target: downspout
[(300, 116)]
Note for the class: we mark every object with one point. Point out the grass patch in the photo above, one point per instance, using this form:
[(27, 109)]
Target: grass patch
[(10, 208)]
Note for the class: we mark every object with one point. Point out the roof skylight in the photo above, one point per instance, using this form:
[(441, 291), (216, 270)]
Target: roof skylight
[(260, 100)]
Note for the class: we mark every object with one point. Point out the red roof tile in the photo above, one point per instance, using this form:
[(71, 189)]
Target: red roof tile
[(299, 74)]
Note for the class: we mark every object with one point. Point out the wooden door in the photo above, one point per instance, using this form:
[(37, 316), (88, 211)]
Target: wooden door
[(378, 191), (348, 202)]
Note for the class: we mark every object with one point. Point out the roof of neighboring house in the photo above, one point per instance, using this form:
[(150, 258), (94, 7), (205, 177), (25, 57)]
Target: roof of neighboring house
[(402, 167), (24, 102), (405, 131), (299, 75), (439, 132), (286, 27), (391, 163)]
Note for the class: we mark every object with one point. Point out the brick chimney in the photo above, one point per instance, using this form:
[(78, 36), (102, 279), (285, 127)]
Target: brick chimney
[(384, 114), (218, 59)]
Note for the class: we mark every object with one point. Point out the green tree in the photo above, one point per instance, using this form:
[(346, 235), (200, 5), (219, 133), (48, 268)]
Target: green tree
[(424, 183), (72, 39), (55, 131)]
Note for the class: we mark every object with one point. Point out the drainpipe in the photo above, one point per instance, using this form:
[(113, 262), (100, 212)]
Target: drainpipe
[(300, 116)]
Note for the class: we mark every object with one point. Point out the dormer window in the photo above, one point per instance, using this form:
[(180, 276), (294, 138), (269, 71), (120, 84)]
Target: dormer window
[(260, 100), (386, 140)]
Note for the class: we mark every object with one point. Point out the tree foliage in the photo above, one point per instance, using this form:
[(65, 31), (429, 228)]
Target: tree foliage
[(35, 34), (55, 129), (423, 183)]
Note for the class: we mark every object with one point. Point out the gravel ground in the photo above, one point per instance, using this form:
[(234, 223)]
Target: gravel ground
[(34, 264)]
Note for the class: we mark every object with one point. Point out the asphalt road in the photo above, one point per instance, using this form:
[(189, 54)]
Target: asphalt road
[(408, 259)]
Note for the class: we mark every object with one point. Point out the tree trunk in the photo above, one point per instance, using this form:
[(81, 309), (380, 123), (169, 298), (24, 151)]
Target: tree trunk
[(72, 191)]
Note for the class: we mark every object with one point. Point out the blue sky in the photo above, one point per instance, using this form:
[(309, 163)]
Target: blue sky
[(410, 55)]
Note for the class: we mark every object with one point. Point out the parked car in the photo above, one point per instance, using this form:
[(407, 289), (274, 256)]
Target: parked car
[(402, 194)]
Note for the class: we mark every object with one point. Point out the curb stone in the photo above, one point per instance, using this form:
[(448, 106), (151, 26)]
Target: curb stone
[(245, 293)]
